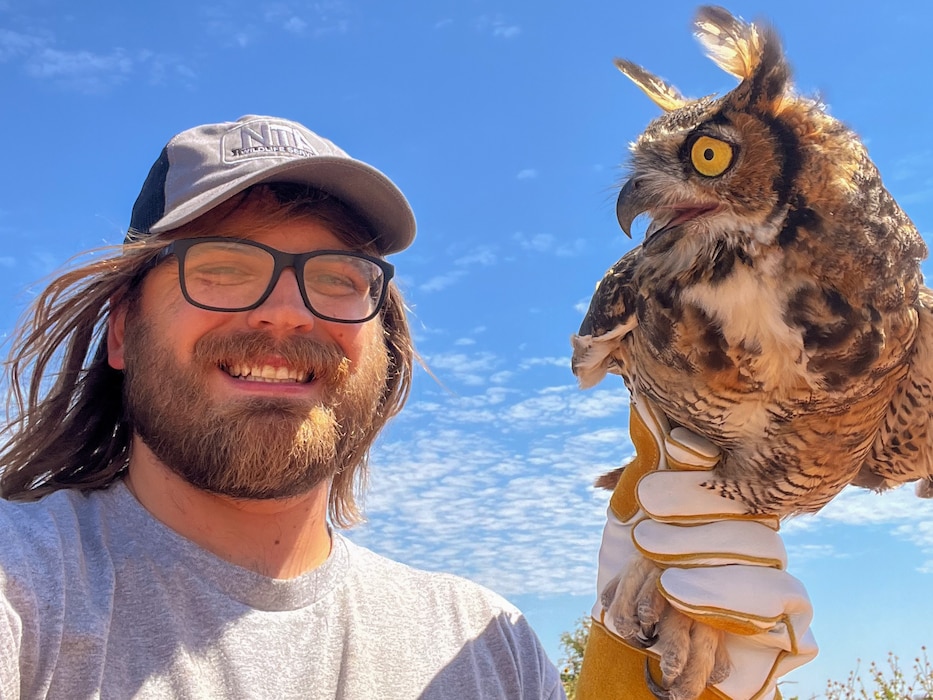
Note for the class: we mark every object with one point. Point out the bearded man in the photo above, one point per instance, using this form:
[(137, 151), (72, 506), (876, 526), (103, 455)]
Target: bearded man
[(191, 419)]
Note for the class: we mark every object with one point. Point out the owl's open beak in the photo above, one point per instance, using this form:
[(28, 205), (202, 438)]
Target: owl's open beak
[(634, 199), (630, 204)]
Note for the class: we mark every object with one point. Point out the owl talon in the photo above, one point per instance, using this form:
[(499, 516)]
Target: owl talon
[(656, 690), (647, 638)]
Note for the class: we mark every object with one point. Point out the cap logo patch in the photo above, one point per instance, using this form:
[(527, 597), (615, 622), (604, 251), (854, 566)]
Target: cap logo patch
[(266, 139)]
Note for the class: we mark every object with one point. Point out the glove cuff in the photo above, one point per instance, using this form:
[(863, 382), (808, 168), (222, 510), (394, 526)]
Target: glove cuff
[(648, 429)]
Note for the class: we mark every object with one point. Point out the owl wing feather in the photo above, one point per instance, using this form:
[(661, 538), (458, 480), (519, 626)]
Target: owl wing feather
[(903, 448), (610, 318)]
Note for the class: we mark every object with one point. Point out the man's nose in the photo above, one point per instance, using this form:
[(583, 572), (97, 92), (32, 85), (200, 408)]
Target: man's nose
[(284, 308)]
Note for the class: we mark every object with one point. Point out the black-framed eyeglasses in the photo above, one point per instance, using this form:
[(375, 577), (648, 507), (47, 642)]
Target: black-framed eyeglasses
[(234, 274)]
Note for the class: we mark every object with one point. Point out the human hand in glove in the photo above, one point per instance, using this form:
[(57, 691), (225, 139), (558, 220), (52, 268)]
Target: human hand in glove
[(694, 598)]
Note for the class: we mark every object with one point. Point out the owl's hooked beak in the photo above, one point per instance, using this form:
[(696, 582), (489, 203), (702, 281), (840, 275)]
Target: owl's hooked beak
[(635, 199), (630, 204)]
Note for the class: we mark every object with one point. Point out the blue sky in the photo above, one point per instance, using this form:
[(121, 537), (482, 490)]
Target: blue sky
[(506, 125)]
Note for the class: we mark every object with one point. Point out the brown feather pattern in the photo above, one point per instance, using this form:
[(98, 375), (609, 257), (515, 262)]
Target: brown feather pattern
[(777, 308)]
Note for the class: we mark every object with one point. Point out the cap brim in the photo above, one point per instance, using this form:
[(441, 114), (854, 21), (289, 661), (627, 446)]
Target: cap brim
[(358, 185)]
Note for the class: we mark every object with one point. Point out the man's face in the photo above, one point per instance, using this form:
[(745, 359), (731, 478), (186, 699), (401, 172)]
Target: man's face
[(264, 403)]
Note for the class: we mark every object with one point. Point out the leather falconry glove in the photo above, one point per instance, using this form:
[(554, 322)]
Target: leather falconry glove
[(720, 566)]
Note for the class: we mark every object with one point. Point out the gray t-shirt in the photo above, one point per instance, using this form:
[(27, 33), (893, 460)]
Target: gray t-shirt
[(100, 600)]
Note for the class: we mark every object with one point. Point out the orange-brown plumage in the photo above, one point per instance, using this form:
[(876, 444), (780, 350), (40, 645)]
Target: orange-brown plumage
[(776, 307)]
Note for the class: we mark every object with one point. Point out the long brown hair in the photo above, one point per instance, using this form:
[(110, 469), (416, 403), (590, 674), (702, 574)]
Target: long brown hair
[(66, 422)]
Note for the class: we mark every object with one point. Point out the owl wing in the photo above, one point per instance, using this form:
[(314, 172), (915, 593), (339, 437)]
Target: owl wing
[(903, 448), (611, 316)]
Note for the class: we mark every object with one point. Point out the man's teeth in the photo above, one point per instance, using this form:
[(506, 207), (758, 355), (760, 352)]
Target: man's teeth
[(267, 373)]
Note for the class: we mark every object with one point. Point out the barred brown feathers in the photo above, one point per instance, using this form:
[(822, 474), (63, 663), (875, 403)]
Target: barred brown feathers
[(776, 305)]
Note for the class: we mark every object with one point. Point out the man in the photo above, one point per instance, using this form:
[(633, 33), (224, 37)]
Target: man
[(221, 381)]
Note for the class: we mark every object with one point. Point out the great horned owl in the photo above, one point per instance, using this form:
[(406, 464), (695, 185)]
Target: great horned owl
[(776, 305)]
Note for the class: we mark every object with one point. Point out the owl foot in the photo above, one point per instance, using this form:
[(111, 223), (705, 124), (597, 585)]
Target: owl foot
[(691, 654)]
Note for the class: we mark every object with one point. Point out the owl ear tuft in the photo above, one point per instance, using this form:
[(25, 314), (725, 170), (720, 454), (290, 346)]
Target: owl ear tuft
[(751, 52), (663, 94)]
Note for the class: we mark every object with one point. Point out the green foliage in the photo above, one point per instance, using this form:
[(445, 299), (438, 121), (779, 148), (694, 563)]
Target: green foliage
[(572, 645), (891, 685)]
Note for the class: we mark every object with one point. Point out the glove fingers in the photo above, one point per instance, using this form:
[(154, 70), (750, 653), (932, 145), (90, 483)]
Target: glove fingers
[(687, 450), (685, 497), (742, 599), (712, 544)]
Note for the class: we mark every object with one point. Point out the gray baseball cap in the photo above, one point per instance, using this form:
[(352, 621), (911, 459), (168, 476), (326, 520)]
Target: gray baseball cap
[(204, 166)]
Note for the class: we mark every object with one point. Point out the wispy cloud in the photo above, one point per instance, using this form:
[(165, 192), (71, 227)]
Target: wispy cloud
[(82, 70), (490, 512), (470, 369), (899, 512), (438, 283), (561, 362), (86, 70), (17, 44), (497, 27), (483, 256), (547, 243), (298, 19), (527, 174)]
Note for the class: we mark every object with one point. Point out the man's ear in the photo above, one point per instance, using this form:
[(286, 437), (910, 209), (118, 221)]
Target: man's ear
[(116, 332)]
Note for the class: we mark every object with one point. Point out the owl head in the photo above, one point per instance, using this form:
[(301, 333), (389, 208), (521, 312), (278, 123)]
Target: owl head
[(750, 166)]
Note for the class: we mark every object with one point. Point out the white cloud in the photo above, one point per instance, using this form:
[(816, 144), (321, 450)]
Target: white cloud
[(547, 243), (539, 242), (483, 255), (497, 27), (83, 70), (295, 25), (440, 282), (486, 511), (562, 362), (470, 369), (527, 174), (16, 44), (907, 517), (328, 18)]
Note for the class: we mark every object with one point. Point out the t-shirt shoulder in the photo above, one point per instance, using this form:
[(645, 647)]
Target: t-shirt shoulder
[(440, 587)]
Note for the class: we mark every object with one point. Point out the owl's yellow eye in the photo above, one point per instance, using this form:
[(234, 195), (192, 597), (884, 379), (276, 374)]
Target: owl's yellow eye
[(710, 157)]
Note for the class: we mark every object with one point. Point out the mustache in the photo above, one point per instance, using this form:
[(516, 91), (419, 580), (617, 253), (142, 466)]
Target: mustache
[(322, 360)]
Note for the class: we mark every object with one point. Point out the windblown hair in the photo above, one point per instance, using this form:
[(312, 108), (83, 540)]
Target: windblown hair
[(67, 427)]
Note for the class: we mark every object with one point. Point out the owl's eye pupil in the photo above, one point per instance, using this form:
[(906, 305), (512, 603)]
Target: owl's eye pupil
[(710, 156)]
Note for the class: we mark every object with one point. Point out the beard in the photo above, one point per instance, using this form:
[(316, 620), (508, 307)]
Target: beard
[(255, 447)]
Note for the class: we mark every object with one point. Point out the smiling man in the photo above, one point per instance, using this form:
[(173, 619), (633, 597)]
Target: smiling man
[(193, 418)]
